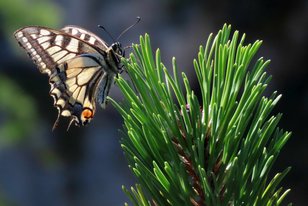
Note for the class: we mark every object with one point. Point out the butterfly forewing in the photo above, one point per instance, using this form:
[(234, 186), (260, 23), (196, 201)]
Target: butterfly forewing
[(77, 63), (86, 36), (48, 47)]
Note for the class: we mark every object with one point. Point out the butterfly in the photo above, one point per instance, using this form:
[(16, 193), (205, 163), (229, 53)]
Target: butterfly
[(80, 65)]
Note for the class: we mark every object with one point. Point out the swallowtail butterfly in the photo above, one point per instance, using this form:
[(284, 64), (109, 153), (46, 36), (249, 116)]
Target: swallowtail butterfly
[(80, 65)]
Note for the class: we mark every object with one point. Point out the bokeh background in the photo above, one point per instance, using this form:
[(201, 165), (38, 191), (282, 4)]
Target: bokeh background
[(86, 166)]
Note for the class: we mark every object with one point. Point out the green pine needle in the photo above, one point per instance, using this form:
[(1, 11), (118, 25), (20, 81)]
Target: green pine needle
[(217, 149)]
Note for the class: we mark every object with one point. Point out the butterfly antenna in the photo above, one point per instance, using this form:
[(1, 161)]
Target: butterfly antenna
[(128, 28), (102, 27)]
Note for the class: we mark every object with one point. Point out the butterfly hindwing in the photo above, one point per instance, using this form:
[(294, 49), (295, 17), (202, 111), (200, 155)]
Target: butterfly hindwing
[(73, 87)]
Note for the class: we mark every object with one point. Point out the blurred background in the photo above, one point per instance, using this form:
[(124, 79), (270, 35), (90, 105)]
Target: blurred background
[(86, 166)]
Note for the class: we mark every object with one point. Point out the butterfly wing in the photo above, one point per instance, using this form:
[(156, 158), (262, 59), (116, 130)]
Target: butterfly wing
[(73, 87), (74, 68), (114, 52), (86, 36)]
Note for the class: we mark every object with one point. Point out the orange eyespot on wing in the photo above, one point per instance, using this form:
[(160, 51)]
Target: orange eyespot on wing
[(87, 113)]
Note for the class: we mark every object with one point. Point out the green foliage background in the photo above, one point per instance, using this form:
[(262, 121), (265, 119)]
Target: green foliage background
[(17, 13), (20, 121)]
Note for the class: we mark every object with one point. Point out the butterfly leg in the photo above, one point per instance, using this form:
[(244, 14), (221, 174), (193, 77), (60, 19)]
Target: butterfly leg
[(71, 122), (56, 122)]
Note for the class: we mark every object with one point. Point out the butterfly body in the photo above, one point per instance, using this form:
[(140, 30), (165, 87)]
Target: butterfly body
[(81, 67)]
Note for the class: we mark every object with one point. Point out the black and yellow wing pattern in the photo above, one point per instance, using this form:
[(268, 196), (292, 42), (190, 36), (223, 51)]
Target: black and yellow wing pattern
[(81, 67)]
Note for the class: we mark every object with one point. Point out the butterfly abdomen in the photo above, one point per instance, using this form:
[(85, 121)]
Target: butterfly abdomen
[(103, 88)]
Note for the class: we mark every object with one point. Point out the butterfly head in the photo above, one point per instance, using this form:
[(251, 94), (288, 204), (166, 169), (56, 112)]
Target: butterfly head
[(118, 53), (117, 48)]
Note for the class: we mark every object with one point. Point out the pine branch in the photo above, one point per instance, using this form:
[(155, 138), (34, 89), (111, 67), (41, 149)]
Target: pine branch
[(216, 151)]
